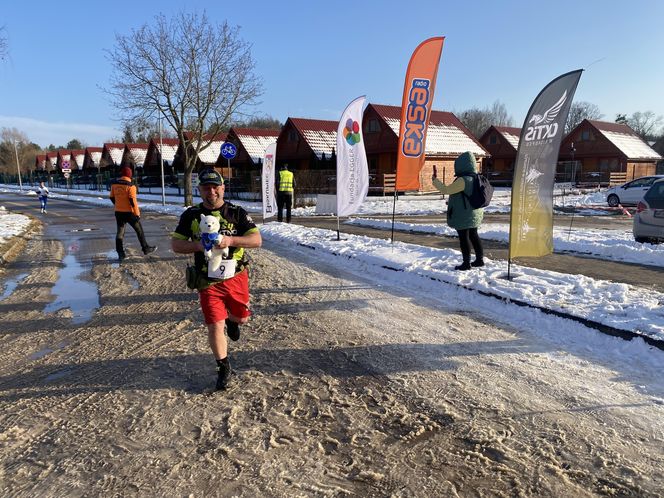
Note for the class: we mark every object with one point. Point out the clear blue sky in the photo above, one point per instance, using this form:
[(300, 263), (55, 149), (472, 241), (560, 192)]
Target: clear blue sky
[(316, 56)]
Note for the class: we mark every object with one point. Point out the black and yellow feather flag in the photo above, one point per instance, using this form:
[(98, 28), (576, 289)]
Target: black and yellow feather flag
[(531, 219)]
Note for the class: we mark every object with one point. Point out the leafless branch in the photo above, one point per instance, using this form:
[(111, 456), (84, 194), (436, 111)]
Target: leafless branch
[(193, 73)]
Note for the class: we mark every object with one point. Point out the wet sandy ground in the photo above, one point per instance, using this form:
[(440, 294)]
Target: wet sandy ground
[(342, 388)]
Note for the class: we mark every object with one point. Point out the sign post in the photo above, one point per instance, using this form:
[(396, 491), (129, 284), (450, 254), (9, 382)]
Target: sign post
[(228, 151), (18, 168), (66, 171)]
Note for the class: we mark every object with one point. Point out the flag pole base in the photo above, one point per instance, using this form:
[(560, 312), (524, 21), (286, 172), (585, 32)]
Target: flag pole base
[(507, 276)]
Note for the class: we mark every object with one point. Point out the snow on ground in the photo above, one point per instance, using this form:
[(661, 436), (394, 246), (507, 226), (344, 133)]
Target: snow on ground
[(614, 245), (11, 224), (613, 304), (594, 204)]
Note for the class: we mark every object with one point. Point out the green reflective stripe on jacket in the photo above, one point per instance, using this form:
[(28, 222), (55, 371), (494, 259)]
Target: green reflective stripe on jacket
[(285, 181)]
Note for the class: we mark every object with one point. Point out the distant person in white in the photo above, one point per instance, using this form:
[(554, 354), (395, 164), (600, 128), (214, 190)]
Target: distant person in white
[(42, 192)]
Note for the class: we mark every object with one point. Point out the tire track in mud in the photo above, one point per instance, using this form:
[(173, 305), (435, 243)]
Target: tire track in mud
[(70, 403), (493, 448)]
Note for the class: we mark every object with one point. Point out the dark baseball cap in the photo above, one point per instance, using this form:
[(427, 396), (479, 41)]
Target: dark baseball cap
[(210, 177)]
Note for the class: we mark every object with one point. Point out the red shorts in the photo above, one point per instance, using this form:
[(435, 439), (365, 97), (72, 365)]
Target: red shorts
[(228, 296)]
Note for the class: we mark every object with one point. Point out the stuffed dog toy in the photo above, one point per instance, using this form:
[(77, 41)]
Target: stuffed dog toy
[(209, 236)]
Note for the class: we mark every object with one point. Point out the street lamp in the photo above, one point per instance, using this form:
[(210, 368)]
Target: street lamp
[(18, 167), (573, 150), (161, 163)]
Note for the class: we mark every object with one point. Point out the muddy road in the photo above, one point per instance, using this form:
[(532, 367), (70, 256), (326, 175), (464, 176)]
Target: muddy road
[(343, 387)]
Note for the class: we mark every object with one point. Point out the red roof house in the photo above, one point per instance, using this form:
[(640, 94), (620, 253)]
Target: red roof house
[(307, 144), (134, 156), (77, 159), (595, 149), (502, 143), (40, 162), (92, 158), (169, 148), (447, 137), (246, 166), (111, 156)]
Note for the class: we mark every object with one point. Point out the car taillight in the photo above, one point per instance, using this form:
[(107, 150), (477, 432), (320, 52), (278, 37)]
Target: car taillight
[(641, 206)]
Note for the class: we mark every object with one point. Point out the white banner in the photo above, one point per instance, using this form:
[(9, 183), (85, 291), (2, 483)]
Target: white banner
[(352, 167), (268, 179)]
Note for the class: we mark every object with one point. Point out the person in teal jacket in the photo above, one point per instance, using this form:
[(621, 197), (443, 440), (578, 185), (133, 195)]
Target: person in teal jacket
[(460, 214)]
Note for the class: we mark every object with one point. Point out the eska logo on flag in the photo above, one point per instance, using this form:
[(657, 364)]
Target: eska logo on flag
[(416, 114)]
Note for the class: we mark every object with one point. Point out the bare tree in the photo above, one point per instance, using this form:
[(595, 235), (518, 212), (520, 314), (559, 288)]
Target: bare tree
[(13, 141), (188, 71), (645, 124), (621, 119), (478, 120), (579, 111), (3, 44), (500, 115), (140, 131), (262, 122)]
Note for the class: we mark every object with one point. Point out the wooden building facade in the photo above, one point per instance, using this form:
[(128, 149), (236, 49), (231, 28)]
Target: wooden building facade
[(245, 168), (595, 149), (447, 137), (502, 143)]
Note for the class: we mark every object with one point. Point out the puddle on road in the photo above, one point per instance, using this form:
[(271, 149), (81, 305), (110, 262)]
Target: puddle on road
[(59, 374), (11, 284), (113, 256), (71, 291), (40, 354), (132, 281), (43, 352)]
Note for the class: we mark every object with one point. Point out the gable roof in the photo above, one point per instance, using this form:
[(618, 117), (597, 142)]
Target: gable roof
[(321, 135), (446, 134), (77, 157), (625, 139), (212, 152), (255, 140), (95, 154), (138, 153), (169, 148), (658, 146), (116, 151), (510, 133), (40, 161)]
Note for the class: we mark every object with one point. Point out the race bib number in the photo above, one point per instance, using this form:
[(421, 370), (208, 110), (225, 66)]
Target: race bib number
[(225, 271)]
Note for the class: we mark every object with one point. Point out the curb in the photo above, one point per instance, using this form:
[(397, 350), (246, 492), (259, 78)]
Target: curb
[(15, 245)]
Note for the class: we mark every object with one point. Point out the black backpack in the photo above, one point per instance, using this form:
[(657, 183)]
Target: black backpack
[(482, 192)]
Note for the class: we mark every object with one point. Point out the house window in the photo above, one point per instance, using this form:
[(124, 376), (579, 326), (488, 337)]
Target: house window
[(493, 140), (373, 126), (585, 135), (292, 136)]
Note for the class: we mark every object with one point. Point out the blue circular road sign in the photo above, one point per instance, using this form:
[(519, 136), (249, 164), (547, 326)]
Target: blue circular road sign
[(228, 150)]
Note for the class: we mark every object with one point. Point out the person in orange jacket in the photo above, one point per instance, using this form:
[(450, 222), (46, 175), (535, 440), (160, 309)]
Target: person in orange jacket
[(123, 197)]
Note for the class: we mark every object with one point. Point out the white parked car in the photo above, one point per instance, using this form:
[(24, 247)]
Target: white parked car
[(630, 193), (649, 217)]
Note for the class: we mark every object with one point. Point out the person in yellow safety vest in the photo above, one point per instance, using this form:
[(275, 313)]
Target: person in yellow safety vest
[(285, 193)]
